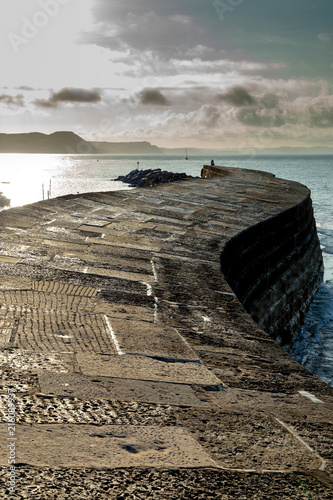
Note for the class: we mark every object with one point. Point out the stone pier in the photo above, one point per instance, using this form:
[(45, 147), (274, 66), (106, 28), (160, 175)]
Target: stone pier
[(131, 365)]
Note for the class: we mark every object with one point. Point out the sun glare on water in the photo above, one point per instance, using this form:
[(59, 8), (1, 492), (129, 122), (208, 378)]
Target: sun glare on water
[(23, 176), (28, 178)]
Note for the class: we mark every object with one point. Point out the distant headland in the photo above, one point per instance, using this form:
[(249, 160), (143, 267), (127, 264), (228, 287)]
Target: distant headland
[(66, 142), (69, 143)]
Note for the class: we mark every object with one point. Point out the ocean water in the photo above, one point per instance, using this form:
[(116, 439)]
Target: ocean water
[(27, 178)]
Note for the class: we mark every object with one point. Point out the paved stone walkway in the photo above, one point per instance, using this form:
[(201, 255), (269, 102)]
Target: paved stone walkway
[(137, 373)]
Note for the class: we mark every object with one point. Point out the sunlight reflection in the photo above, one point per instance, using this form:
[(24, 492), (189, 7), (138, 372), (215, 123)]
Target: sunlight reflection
[(22, 176)]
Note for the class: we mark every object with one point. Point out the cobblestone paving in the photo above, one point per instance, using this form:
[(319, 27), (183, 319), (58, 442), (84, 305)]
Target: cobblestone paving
[(54, 331), (64, 288), (51, 301), (61, 410), (147, 483)]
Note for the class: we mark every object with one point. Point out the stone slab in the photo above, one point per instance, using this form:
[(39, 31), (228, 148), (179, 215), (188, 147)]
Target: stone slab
[(162, 219), (127, 243), (97, 223), (128, 225), (124, 311), (168, 228), (289, 407), (9, 260), (83, 203), (117, 262), (15, 283), (91, 229), (153, 339), (122, 275), (246, 440), (143, 368), (20, 224), (120, 389), (107, 446), (109, 212)]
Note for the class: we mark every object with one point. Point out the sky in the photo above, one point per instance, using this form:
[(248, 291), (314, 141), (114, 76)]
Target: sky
[(221, 74)]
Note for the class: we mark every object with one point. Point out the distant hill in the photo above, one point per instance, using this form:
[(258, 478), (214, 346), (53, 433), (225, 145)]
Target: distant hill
[(126, 148), (35, 142), (69, 143)]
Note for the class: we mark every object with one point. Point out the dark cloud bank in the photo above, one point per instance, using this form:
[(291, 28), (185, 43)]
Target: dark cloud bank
[(70, 96)]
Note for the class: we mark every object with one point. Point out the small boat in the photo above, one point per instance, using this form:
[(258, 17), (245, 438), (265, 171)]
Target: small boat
[(186, 157)]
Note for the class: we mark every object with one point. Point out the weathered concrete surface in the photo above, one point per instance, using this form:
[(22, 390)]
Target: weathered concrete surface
[(137, 372)]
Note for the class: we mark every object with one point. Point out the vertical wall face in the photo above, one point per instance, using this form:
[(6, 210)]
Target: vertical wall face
[(275, 268)]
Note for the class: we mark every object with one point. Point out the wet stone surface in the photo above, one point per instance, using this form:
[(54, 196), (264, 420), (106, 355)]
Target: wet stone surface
[(136, 371)]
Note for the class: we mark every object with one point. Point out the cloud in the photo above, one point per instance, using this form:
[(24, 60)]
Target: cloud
[(321, 117), (324, 37), (170, 29), (15, 101), (71, 96), (279, 40), (238, 96), (269, 100), (258, 118), (25, 87), (154, 97)]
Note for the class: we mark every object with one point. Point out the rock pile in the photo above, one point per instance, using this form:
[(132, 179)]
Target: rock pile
[(143, 178)]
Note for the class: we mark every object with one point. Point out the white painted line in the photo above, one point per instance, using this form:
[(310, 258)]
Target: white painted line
[(155, 309), (189, 346), (310, 396), (226, 293), (154, 270), (113, 336), (149, 294), (291, 430)]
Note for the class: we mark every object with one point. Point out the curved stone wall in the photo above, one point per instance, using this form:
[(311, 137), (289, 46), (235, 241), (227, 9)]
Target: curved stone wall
[(275, 268)]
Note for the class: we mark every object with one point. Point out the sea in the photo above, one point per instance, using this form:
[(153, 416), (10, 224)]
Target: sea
[(27, 178)]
